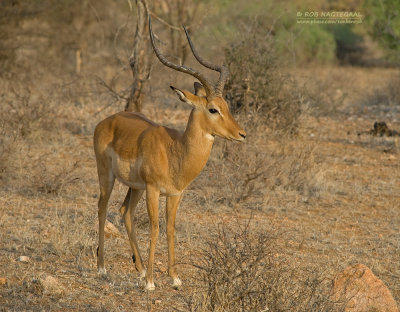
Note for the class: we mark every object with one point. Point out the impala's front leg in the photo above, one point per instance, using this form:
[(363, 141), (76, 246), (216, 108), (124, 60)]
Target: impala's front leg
[(152, 196), (172, 206)]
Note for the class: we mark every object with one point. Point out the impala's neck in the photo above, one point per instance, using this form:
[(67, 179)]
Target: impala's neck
[(195, 147)]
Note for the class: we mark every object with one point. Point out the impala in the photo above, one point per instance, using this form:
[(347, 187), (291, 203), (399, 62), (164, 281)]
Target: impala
[(162, 161)]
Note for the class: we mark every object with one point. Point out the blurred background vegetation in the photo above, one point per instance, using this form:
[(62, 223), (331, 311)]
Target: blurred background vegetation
[(51, 33)]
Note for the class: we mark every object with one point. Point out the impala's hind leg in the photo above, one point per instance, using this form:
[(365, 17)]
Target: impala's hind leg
[(106, 180), (127, 210)]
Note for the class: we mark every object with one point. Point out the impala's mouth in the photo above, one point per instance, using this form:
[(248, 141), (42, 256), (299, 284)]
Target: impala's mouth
[(237, 139), (241, 138), (231, 138)]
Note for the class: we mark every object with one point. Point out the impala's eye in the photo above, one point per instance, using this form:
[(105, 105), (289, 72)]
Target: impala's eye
[(213, 111)]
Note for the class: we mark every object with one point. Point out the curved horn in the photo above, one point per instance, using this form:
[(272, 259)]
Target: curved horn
[(207, 86), (223, 70)]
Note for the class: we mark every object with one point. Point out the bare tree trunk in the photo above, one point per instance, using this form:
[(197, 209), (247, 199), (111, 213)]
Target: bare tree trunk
[(179, 12), (140, 59)]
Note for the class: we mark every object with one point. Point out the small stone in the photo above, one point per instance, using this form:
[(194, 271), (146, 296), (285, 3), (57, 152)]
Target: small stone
[(23, 259), (111, 230)]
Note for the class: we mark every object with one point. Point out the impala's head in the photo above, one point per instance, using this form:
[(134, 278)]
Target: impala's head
[(207, 99), (216, 117)]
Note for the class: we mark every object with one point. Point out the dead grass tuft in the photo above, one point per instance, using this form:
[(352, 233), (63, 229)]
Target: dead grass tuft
[(52, 179)]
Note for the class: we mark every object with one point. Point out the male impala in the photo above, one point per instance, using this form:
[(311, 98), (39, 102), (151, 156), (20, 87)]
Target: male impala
[(146, 156)]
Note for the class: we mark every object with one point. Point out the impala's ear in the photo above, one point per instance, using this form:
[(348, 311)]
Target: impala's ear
[(188, 97), (199, 89)]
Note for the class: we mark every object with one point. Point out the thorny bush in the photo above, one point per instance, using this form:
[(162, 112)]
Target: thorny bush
[(243, 269), (258, 88)]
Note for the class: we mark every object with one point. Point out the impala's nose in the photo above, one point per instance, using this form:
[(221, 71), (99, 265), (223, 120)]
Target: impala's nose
[(242, 134)]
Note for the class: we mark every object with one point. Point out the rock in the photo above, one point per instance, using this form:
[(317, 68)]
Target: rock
[(51, 285), (111, 230), (360, 290), (161, 267), (23, 259)]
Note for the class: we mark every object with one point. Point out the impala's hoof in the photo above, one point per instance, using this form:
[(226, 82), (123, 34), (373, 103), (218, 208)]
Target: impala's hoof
[(101, 271), (177, 282), (150, 286)]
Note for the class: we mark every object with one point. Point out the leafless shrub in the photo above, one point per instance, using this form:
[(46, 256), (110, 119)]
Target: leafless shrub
[(258, 88), (8, 142), (23, 114), (53, 180), (388, 96), (245, 270)]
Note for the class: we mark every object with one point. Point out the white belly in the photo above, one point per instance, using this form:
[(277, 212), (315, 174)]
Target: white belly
[(127, 171)]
